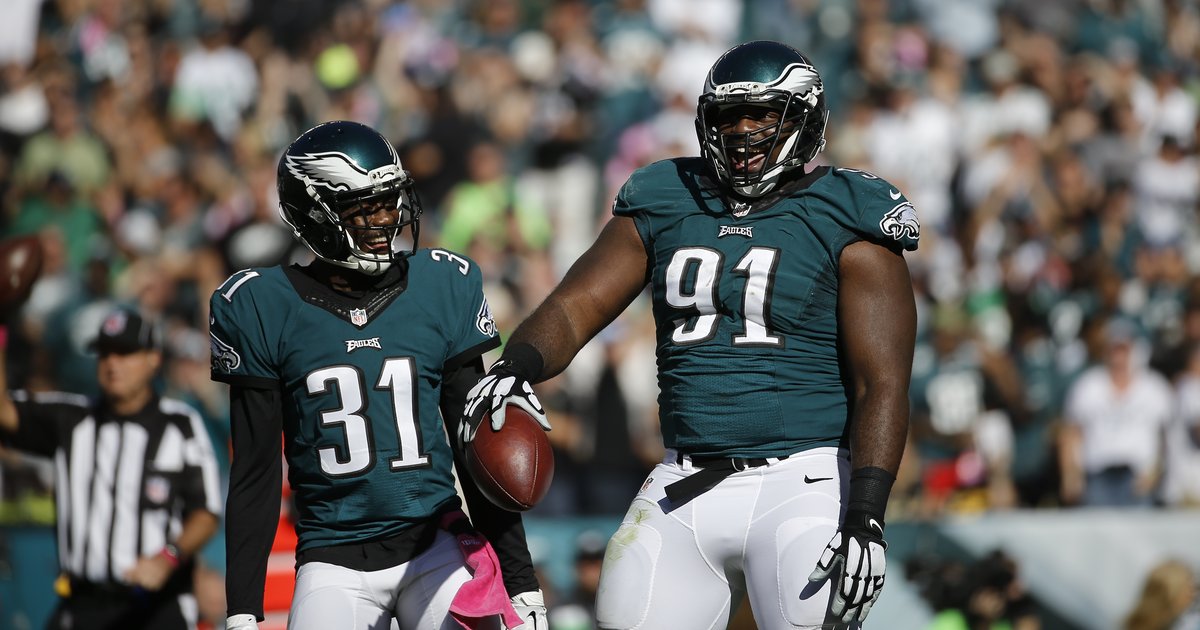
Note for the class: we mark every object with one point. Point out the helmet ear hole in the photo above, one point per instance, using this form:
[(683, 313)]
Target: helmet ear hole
[(325, 242)]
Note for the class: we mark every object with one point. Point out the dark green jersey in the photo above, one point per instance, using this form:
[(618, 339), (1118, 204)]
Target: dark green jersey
[(746, 306), (363, 436)]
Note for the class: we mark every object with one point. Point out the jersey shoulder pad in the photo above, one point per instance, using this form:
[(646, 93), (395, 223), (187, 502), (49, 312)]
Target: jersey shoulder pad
[(658, 187), (450, 269), (241, 293), (449, 278), (455, 286), (871, 206), (247, 314)]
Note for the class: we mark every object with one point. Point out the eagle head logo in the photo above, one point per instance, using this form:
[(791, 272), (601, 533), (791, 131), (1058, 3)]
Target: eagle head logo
[(901, 222)]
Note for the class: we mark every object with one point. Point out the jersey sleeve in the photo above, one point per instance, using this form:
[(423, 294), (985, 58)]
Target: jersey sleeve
[(472, 330), (242, 351), (878, 211), (645, 195)]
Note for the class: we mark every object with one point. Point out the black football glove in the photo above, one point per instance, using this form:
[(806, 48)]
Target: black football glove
[(491, 395), (854, 561)]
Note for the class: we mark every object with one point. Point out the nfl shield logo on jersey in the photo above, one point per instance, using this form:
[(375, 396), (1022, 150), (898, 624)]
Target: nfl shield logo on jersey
[(358, 317), (158, 489)]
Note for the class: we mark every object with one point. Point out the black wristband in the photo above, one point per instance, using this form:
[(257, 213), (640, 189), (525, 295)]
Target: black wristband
[(520, 359), (870, 487)]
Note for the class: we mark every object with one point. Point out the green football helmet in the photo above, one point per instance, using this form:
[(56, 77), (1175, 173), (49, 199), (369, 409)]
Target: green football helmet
[(770, 75), (329, 171)]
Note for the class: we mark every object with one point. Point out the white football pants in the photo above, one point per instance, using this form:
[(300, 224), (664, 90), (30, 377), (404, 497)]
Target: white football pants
[(415, 595), (758, 532)]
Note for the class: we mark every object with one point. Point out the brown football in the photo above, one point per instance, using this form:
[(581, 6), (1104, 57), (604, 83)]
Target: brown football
[(513, 467), (20, 265)]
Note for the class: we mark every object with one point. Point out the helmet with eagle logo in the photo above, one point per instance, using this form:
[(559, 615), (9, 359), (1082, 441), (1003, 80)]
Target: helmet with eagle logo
[(331, 180)]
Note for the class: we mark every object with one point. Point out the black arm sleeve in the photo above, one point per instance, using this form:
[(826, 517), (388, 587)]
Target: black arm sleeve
[(255, 489), (502, 528)]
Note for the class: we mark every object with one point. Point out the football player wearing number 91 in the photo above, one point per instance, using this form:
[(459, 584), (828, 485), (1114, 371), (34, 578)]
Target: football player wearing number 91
[(786, 324), (351, 358)]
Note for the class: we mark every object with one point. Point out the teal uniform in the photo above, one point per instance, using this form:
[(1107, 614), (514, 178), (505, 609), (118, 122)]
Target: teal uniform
[(746, 306), (363, 436)]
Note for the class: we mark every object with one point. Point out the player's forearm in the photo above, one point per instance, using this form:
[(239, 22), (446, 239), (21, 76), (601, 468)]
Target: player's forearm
[(879, 428), (251, 517), (250, 525), (9, 420), (555, 335), (198, 529), (255, 489)]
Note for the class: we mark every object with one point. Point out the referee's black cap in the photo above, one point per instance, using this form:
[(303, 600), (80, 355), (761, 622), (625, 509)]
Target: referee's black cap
[(124, 331)]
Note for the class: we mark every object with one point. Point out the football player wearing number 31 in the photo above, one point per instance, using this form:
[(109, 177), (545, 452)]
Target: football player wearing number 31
[(352, 358), (786, 324)]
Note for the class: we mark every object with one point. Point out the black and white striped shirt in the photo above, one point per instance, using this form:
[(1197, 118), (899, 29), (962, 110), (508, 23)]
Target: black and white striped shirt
[(123, 484)]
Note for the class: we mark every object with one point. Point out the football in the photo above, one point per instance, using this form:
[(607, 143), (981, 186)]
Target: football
[(20, 265), (513, 467)]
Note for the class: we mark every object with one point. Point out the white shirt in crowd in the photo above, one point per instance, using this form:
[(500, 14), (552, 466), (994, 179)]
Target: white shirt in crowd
[(1120, 428)]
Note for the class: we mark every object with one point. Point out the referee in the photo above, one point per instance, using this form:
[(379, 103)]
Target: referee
[(136, 485)]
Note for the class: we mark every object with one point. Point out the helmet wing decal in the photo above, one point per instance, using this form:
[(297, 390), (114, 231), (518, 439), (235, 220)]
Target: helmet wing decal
[(332, 169), (797, 78)]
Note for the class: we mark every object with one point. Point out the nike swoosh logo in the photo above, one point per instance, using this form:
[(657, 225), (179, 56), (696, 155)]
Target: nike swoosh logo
[(894, 194), (808, 479)]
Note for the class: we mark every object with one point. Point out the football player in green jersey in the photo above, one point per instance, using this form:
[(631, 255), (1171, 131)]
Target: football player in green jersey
[(356, 359), (786, 324)]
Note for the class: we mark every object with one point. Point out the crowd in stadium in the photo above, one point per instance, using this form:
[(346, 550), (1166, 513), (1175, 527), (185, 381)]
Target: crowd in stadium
[(1049, 148)]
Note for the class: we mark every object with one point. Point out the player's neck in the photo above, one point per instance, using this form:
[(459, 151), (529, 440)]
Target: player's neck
[(353, 283), (789, 183)]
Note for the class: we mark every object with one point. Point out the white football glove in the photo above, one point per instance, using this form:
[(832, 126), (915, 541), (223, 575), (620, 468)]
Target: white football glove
[(492, 394), (531, 608), (854, 560), (241, 622)]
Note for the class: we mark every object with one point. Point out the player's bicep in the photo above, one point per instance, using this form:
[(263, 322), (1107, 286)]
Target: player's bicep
[(605, 279), (877, 315)]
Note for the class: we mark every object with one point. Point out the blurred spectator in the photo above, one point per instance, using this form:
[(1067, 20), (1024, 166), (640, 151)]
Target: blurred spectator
[(1181, 483), (55, 205), (18, 31), (1164, 109), (1166, 188), (1111, 446), (215, 82), (67, 147), (577, 609), (986, 594), (963, 397), (1168, 600)]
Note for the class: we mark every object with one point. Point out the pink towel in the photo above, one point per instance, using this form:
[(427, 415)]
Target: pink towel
[(483, 596)]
